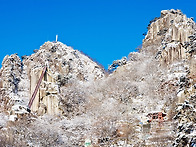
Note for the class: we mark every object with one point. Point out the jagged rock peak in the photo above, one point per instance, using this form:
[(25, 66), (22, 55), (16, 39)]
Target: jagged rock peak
[(8, 60), (172, 25), (169, 35)]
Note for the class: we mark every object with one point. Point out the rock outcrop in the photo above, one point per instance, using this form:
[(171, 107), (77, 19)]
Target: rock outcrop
[(11, 77), (170, 34), (11, 73)]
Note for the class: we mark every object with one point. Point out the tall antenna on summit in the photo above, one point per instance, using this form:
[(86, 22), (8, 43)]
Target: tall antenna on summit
[(56, 38)]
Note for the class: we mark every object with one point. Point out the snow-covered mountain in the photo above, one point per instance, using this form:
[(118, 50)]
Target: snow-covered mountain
[(148, 99)]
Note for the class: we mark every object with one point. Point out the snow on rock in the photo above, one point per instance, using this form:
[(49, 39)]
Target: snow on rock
[(77, 104), (64, 66), (170, 33)]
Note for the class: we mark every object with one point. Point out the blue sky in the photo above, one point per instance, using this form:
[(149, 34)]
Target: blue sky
[(106, 30)]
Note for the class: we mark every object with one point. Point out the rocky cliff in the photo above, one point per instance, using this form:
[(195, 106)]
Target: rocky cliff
[(170, 34), (145, 100)]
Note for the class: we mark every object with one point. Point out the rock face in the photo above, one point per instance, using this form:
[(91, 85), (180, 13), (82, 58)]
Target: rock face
[(46, 99), (170, 34)]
